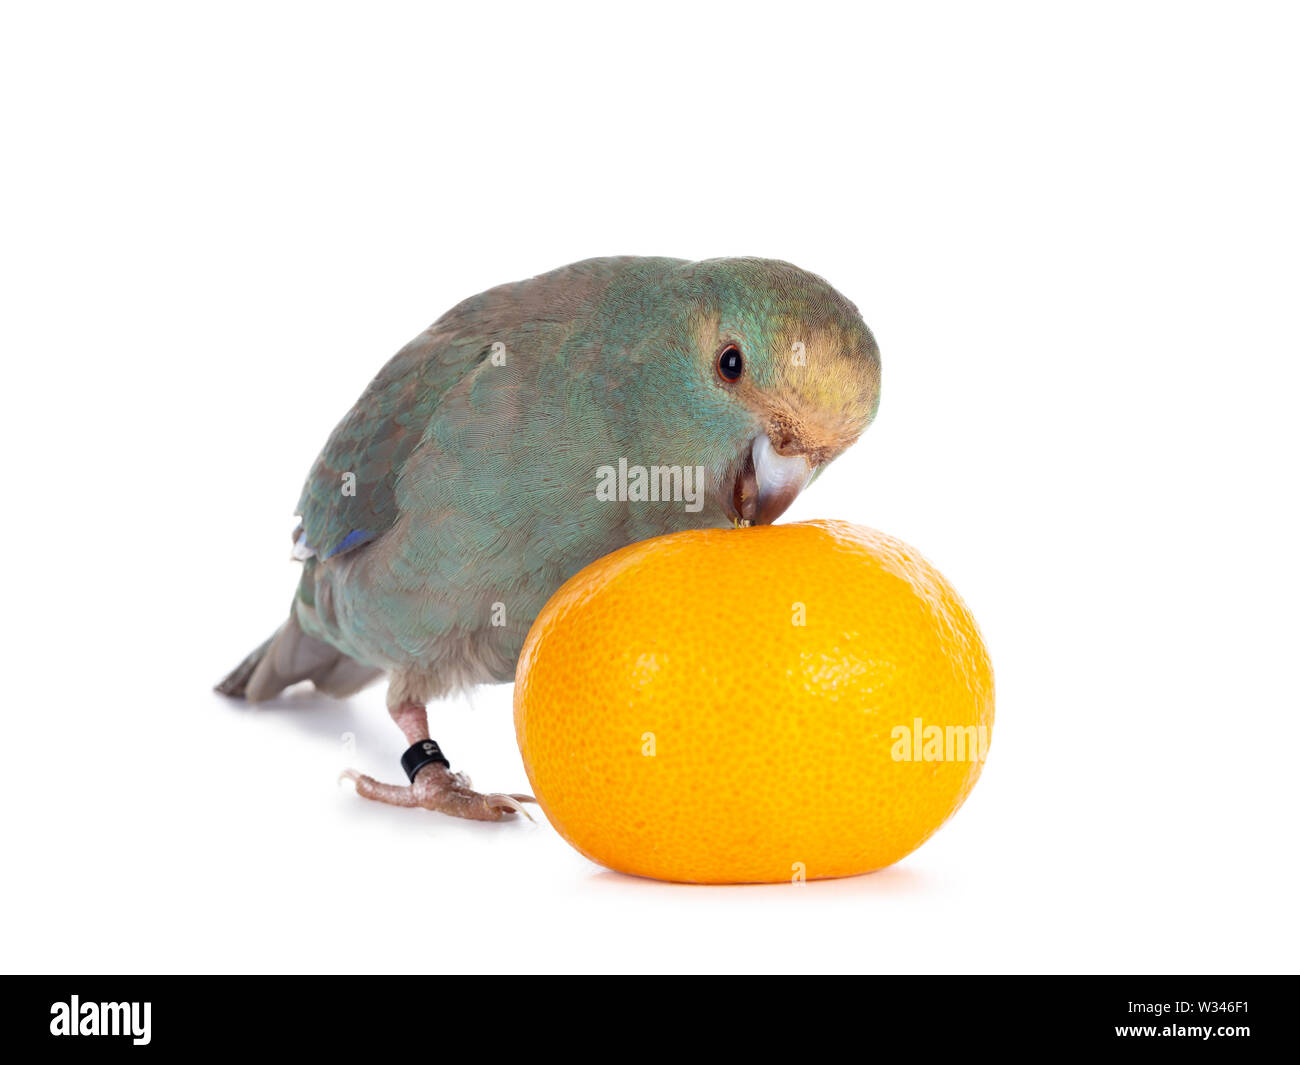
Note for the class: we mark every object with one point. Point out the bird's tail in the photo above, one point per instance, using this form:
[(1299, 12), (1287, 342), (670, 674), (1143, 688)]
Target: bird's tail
[(290, 656)]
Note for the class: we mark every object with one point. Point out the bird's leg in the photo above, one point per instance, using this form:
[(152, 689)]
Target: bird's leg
[(434, 786)]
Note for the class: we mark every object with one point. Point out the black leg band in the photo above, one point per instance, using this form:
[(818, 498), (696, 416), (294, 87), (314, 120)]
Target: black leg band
[(418, 755)]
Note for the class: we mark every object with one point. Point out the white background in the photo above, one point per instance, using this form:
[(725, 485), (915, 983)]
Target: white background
[(1074, 232)]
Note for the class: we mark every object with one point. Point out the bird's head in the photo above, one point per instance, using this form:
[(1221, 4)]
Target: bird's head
[(783, 375)]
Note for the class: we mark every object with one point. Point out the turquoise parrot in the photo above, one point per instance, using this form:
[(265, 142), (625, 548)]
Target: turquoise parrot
[(530, 430)]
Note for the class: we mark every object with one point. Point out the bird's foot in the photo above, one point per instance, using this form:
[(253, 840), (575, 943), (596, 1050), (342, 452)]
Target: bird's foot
[(437, 788)]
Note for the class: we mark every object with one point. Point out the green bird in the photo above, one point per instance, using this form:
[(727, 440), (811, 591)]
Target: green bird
[(530, 430)]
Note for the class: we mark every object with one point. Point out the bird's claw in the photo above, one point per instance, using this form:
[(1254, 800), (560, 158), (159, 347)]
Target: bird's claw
[(438, 788), (513, 803)]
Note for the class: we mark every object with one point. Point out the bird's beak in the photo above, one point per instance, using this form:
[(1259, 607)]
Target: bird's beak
[(769, 482)]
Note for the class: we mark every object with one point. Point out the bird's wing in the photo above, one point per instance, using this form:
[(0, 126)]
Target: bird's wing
[(349, 498), (373, 442)]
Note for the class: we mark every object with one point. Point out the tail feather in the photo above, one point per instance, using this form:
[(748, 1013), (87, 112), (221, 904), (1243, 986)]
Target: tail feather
[(290, 656), (236, 681)]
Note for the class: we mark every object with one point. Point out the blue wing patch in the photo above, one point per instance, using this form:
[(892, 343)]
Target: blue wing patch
[(355, 538)]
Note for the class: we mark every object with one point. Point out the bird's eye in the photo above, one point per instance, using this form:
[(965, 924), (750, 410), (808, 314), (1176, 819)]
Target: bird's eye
[(731, 364)]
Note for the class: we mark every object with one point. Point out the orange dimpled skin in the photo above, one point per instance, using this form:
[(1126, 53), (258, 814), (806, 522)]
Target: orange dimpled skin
[(761, 704)]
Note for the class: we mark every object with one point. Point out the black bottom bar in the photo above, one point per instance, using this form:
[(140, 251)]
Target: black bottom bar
[(677, 1018)]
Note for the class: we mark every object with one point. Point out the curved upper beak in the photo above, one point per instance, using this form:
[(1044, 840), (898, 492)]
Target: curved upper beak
[(769, 482)]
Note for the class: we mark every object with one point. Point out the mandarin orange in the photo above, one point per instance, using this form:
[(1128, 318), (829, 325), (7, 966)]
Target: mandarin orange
[(760, 704)]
